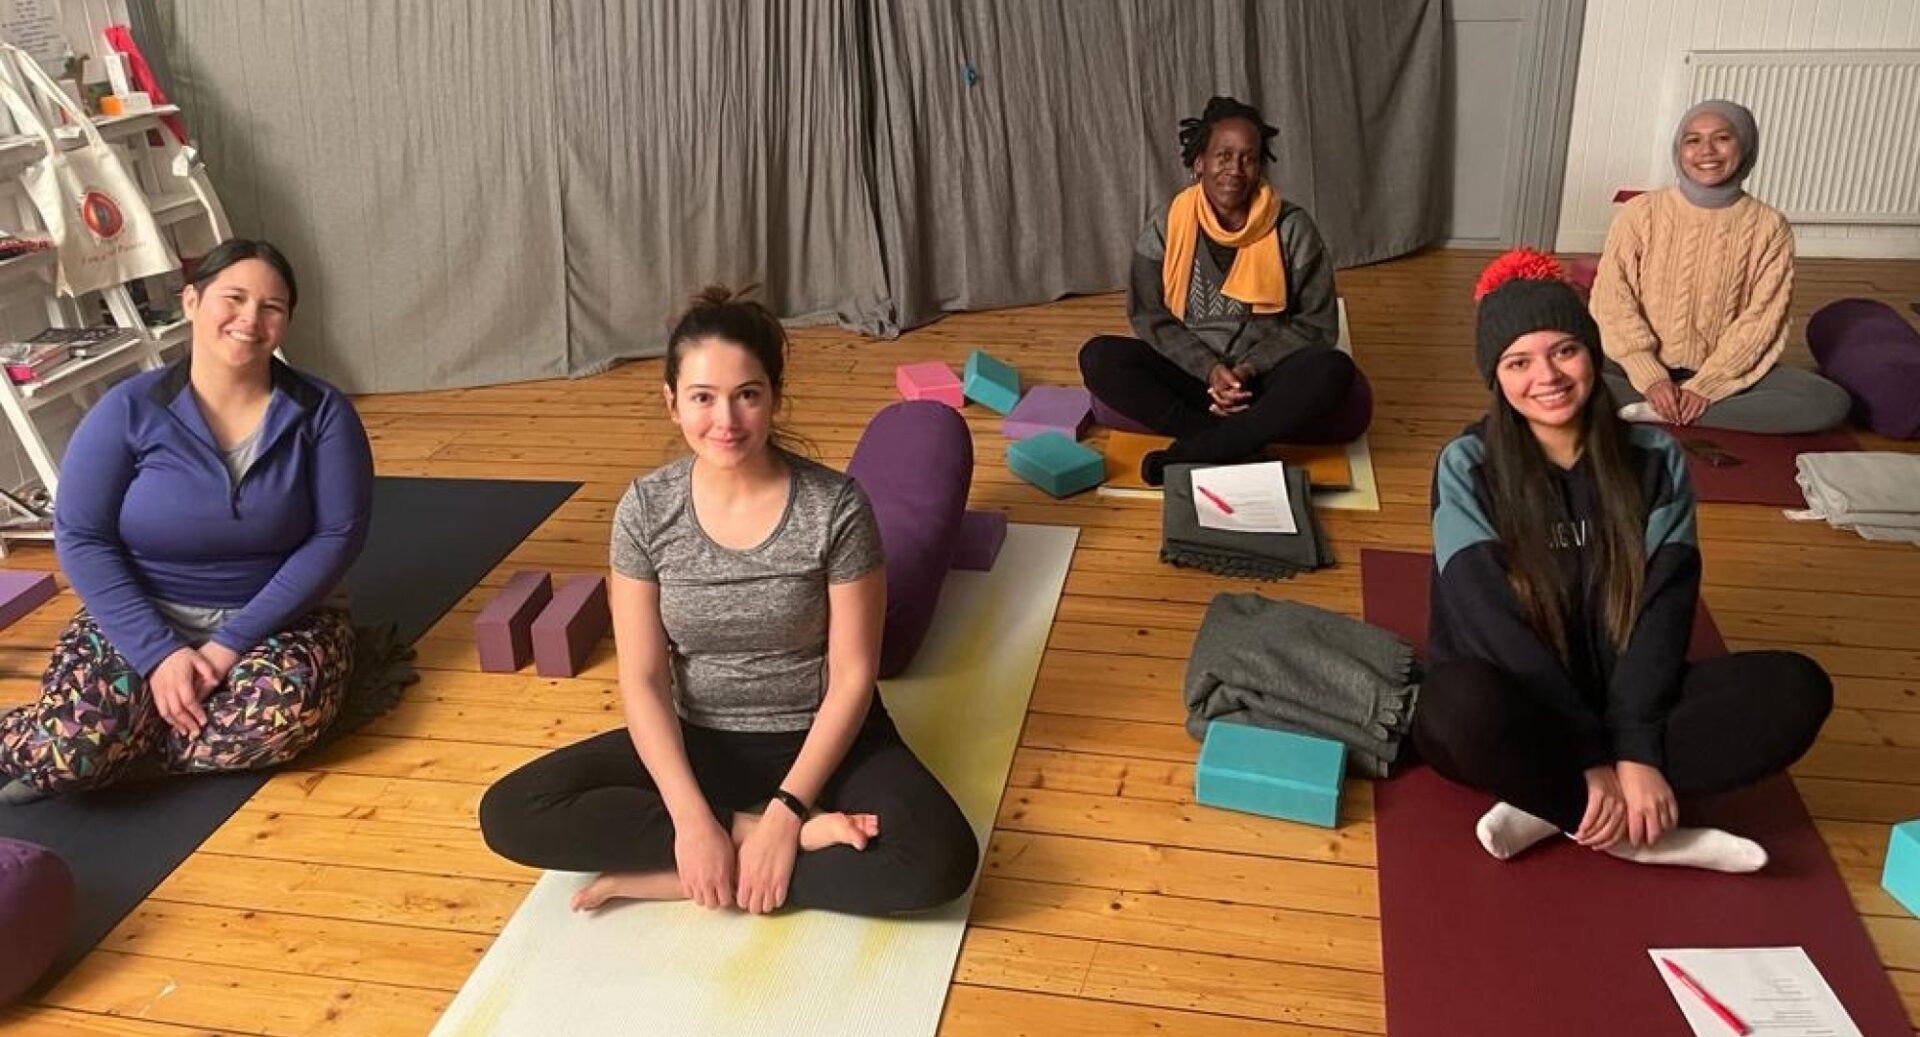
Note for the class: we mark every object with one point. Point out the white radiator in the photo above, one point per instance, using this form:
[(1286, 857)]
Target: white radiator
[(1839, 129)]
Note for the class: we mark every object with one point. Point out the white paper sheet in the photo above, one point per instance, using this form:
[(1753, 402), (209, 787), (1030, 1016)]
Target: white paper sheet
[(1244, 498), (1777, 991)]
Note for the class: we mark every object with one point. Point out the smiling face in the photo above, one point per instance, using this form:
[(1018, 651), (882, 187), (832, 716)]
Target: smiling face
[(1229, 167), (240, 317), (1709, 149), (1547, 376), (723, 403)]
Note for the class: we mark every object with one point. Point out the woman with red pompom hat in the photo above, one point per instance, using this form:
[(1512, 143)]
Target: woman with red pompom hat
[(1565, 580)]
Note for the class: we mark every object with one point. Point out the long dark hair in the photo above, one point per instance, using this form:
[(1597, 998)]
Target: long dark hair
[(731, 315), (1526, 510)]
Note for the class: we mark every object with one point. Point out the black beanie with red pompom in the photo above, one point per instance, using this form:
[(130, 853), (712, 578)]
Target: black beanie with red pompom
[(1521, 292)]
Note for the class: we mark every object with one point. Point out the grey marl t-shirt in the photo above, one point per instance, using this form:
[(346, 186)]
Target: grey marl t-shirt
[(747, 630)]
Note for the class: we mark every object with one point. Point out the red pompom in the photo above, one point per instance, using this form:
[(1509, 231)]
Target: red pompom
[(1529, 264)]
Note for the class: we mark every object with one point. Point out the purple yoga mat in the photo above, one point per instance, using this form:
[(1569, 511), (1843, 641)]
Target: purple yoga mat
[(1765, 472), (1555, 941)]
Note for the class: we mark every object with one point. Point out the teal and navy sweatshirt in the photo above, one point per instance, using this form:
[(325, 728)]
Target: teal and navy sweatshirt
[(1618, 701)]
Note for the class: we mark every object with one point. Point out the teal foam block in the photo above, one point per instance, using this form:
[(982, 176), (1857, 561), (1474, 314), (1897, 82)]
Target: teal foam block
[(1902, 875), (991, 383), (1275, 773), (1056, 464)]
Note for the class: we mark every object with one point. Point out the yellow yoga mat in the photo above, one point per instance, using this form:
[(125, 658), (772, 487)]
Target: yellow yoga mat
[(673, 968)]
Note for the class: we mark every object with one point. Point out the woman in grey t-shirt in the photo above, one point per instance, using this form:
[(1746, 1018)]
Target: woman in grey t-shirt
[(748, 596)]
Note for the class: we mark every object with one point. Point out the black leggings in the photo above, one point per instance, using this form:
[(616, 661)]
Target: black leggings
[(1739, 718), (1295, 397), (592, 807)]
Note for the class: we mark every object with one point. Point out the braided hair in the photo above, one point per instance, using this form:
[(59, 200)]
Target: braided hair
[(1195, 133)]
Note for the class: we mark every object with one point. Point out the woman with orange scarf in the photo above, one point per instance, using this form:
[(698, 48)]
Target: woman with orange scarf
[(1232, 297)]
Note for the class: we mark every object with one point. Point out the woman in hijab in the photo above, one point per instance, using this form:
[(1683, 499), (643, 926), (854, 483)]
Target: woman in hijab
[(1692, 292)]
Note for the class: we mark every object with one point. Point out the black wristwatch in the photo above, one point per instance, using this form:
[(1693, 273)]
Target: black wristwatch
[(792, 803)]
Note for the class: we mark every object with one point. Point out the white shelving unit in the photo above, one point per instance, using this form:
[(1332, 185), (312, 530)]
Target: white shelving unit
[(40, 412)]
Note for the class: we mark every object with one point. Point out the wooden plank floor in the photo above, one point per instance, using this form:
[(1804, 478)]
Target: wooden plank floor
[(353, 895)]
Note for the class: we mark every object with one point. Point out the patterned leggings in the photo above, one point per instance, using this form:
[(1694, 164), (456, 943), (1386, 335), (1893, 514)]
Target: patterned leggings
[(94, 718)]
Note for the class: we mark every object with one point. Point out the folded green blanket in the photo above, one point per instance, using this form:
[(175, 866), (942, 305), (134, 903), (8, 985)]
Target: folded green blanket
[(1287, 665), (1260, 556)]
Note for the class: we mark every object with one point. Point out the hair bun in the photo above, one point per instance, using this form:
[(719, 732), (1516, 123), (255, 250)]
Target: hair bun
[(1522, 263), (721, 295)]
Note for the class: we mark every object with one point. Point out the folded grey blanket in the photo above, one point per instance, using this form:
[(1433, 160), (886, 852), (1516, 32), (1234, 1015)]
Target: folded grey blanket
[(1261, 556), (1287, 665)]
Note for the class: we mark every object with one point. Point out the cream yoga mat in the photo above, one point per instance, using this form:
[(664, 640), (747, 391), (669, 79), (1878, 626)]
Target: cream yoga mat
[(1353, 474), (675, 968)]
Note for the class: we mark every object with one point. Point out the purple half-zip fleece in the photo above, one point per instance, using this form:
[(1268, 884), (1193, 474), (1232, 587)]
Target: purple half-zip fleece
[(147, 510)]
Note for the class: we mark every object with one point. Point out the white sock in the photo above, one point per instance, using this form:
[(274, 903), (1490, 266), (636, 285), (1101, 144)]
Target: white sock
[(1506, 830), (1708, 848), (1641, 412)]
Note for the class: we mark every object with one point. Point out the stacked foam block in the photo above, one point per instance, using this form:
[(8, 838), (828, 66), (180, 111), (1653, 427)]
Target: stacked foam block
[(1045, 423)]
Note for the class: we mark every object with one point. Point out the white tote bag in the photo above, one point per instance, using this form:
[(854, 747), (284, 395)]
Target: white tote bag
[(102, 230)]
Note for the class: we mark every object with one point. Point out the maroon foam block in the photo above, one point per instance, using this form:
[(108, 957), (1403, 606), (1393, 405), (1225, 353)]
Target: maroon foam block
[(504, 629), (572, 623), (22, 591), (1555, 941), (981, 534), (1765, 470)]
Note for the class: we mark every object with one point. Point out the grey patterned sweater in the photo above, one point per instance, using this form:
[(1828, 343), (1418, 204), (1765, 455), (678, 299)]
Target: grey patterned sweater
[(1222, 330)]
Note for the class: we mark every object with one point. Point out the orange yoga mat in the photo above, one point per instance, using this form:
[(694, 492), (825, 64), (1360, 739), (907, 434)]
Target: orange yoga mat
[(1327, 466)]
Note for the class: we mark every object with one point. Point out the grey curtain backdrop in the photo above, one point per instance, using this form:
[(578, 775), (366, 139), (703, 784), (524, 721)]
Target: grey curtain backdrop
[(483, 191)]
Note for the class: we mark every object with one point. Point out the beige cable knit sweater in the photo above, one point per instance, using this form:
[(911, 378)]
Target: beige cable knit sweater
[(1680, 286)]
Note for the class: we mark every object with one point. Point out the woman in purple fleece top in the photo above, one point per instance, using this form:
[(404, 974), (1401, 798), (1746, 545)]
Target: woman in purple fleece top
[(207, 515)]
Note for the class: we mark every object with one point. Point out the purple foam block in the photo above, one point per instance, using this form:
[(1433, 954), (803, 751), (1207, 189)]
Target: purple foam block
[(504, 629), (1050, 408), (572, 623), (22, 591), (981, 534)]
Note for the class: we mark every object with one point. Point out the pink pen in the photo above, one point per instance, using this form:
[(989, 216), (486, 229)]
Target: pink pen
[(1713, 1003), (1225, 508)]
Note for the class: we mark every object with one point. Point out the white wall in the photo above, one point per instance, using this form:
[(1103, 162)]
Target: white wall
[(1632, 89)]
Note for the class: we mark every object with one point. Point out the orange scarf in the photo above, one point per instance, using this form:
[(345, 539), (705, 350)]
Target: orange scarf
[(1258, 277)]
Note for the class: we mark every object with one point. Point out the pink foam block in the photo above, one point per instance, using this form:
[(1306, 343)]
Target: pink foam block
[(1050, 408), (929, 380), (504, 629), (981, 534), (572, 623), (22, 591)]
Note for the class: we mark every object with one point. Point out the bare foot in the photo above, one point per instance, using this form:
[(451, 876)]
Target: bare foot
[(628, 885), (823, 830)]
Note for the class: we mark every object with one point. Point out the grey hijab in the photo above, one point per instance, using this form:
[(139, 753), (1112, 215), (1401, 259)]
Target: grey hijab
[(1745, 131)]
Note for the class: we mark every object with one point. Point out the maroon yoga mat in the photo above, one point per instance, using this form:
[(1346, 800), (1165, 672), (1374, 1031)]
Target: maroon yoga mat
[(1764, 474), (1555, 941)]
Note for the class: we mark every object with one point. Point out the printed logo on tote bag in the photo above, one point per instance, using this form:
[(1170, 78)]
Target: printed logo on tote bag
[(101, 215), (114, 238)]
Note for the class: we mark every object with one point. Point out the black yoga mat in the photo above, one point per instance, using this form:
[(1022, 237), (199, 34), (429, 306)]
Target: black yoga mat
[(430, 542)]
